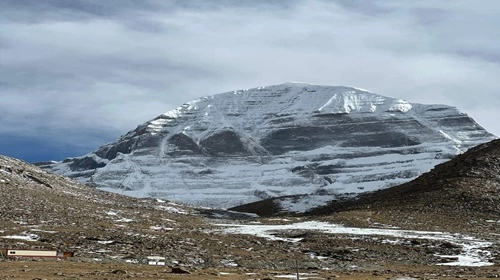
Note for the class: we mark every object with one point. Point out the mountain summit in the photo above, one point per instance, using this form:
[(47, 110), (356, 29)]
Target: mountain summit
[(285, 140)]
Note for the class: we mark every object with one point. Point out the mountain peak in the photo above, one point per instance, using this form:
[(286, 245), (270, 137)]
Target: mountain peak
[(292, 98), (289, 139)]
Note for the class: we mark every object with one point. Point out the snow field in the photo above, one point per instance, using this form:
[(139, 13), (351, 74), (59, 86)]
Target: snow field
[(473, 253)]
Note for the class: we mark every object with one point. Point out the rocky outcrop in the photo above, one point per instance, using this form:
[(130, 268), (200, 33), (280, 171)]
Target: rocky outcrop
[(285, 140)]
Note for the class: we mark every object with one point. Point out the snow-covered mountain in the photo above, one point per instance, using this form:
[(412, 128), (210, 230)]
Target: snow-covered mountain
[(284, 140)]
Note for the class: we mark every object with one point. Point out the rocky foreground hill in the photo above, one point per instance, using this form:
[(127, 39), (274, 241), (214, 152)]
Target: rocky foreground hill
[(308, 141), (54, 212), (112, 234), (467, 186)]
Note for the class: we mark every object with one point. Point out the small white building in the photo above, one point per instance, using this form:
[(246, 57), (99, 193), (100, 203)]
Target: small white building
[(34, 253), (156, 260), (31, 253)]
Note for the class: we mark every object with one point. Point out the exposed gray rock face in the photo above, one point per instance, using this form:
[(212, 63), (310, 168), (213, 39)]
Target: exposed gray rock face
[(290, 139)]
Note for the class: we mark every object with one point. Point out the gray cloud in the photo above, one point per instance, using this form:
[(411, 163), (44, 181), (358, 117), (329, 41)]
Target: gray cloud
[(81, 68)]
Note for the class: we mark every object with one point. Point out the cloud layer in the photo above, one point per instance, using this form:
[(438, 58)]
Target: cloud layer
[(77, 74)]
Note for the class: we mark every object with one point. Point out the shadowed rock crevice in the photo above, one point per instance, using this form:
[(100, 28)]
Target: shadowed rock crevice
[(225, 143), (184, 145)]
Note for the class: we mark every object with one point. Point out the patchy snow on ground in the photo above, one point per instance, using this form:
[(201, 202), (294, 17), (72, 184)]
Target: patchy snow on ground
[(160, 228), (473, 250), (27, 237), (474, 257), (124, 220), (174, 208), (106, 242), (46, 231), (229, 263), (111, 213)]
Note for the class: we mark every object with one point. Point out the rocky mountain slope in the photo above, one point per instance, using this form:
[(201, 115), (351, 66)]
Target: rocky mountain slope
[(467, 185), (54, 212), (284, 140)]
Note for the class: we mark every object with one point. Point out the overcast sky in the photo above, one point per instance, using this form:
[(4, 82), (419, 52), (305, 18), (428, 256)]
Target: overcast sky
[(76, 74)]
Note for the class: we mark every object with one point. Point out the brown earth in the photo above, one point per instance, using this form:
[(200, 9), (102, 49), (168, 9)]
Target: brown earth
[(79, 270)]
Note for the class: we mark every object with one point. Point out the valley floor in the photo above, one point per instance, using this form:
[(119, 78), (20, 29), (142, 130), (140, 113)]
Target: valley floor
[(350, 245), (83, 270)]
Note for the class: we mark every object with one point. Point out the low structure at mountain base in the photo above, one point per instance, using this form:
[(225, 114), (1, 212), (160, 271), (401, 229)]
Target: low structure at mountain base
[(155, 260), (34, 253)]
